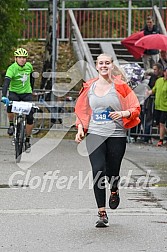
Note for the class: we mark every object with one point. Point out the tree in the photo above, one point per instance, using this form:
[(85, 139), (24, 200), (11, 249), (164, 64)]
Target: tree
[(46, 83), (11, 17)]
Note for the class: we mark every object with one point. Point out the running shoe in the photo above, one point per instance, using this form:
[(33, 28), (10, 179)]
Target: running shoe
[(27, 147), (160, 143), (10, 130), (114, 200), (103, 220)]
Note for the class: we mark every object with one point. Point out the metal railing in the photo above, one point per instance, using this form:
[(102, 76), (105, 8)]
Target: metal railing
[(87, 66), (61, 115), (160, 20), (96, 23)]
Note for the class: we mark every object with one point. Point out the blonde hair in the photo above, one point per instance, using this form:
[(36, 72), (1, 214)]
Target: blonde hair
[(106, 55), (117, 71)]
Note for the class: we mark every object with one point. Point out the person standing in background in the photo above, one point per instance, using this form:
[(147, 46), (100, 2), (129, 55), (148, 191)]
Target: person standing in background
[(163, 59), (148, 108), (150, 56), (160, 91)]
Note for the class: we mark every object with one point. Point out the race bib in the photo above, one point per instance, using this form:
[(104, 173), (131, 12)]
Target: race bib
[(101, 117), (21, 107)]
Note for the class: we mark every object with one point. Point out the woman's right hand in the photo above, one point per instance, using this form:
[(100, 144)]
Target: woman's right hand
[(80, 135)]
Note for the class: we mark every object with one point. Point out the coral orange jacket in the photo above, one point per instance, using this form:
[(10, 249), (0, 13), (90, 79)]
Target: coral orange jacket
[(127, 99)]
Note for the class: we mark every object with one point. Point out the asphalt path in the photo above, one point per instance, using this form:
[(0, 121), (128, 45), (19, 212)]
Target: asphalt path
[(47, 202)]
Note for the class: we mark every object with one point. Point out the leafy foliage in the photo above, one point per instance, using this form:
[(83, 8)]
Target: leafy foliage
[(11, 17), (110, 3)]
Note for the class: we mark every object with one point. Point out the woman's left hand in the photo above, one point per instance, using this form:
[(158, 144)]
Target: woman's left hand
[(119, 114), (116, 115)]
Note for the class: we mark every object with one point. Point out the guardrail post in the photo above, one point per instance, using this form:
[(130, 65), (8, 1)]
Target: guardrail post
[(129, 17), (63, 20)]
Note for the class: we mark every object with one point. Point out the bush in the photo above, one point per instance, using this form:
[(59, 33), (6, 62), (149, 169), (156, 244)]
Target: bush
[(11, 24)]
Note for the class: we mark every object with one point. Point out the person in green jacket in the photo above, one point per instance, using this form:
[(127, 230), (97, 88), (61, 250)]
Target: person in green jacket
[(160, 91), (19, 80)]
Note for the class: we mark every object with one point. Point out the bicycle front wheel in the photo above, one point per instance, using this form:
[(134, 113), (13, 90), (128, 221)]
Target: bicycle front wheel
[(19, 141)]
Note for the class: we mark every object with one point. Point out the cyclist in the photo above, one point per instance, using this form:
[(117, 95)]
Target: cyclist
[(20, 81)]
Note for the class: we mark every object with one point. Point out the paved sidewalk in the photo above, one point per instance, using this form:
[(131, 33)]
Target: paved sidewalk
[(153, 160), (59, 215)]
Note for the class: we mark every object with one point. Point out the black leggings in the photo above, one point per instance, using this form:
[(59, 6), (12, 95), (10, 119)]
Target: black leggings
[(105, 155)]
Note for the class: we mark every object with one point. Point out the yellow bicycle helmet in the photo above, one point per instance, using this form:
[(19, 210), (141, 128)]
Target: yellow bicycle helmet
[(21, 52)]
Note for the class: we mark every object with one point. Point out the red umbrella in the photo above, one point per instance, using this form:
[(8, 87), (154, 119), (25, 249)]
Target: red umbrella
[(129, 43), (153, 41)]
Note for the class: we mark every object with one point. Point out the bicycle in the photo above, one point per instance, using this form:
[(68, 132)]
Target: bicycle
[(21, 109)]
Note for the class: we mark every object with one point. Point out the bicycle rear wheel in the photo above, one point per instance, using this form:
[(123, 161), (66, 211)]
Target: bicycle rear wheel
[(19, 141)]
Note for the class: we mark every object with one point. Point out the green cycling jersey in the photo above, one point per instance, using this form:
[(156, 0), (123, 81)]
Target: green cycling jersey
[(160, 90), (20, 78)]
